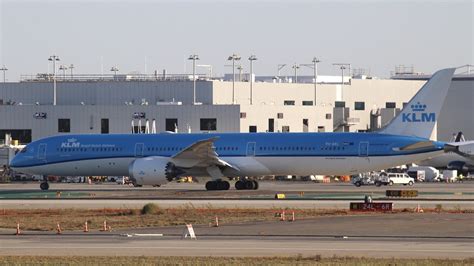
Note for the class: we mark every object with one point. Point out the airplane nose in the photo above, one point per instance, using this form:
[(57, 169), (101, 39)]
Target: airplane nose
[(14, 162)]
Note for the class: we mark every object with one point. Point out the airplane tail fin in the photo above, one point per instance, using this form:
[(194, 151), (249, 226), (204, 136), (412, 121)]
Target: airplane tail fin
[(419, 116), (459, 137)]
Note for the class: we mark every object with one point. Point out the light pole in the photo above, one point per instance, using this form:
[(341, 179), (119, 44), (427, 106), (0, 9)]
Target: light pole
[(4, 69), (115, 70), (240, 69), (63, 68), (71, 67), (342, 67), (296, 67), (342, 82), (234, 58), (54, 58), (194, 57), (315, 62), (251, 59)]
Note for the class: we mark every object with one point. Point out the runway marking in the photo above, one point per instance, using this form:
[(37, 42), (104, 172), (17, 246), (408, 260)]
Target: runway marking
[(250, 248)]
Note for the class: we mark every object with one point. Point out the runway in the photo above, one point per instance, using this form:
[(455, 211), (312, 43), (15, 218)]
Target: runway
[(407, 235), (298, 195), (237, 248), (217, 203), (400, 235), (293, 190)]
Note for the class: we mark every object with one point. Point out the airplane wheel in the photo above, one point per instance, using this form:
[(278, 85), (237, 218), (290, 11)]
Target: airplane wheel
[(211, 185), (225, 185), (239, 185), (255, 185), (220, 185), (44, 186), (249, 185)]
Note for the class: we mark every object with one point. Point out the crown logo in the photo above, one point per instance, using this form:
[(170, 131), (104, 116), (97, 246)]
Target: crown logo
[(418, 107)]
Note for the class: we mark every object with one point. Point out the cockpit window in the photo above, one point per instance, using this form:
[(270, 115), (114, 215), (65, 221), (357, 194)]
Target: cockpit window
[(23, 150)]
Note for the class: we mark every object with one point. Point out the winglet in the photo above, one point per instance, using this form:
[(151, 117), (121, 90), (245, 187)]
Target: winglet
[(419, 116)]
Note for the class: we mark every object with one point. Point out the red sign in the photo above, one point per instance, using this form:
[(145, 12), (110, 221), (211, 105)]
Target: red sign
[(371, 207)]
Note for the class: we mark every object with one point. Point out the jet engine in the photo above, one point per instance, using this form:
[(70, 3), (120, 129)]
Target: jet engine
[(460, 166), (153, 171)]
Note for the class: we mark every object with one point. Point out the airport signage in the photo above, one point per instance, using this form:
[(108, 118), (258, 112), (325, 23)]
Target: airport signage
[(371, 207), (402, 193)]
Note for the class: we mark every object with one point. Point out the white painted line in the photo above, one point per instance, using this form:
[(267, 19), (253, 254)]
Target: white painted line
[(147, 234)]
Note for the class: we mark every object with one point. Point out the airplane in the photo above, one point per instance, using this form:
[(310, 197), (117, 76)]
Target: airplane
[(461, 160), (156, 159)]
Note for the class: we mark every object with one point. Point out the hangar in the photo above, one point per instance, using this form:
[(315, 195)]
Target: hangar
[(125, 103)]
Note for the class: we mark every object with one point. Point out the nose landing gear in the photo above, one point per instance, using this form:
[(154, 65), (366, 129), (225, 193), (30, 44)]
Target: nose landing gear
[(44, 185)]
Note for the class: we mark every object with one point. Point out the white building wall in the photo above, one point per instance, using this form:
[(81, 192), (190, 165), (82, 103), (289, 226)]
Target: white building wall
[(258, 115), (375, 94)]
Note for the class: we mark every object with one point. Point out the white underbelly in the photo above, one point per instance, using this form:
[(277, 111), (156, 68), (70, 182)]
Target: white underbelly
[(254, 166), (247, 166)]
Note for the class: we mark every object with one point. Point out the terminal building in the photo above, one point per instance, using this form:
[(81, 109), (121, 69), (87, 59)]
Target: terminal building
[(158, 103)]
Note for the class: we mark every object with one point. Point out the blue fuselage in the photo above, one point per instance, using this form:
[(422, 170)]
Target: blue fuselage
[(282, 148)]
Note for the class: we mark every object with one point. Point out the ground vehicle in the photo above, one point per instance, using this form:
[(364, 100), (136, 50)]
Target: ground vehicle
[(450, 175), (122, 180), (113, 178), (431, 174), (72, 179), (395, 178), (363, 180)]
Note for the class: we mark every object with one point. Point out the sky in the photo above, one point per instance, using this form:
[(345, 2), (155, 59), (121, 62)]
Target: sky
[(139, 36)]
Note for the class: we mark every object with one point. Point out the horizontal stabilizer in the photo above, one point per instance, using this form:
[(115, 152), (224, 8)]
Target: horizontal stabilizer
[(417, 146), (465, 149)]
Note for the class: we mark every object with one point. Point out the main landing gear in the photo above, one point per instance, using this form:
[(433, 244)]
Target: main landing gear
[(217, 185), (246, 184)]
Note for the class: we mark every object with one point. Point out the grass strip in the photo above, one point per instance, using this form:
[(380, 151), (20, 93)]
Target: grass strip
[(153, 216), (294, 260)]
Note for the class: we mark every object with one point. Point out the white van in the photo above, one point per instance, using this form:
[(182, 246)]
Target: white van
[(395, 178), (400, 178)]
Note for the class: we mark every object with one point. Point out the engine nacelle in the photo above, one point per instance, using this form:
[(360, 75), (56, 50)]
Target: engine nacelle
[(153, 171), (460, 166)]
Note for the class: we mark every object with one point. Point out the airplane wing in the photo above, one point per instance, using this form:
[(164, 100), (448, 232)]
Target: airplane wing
[(465, 148), (200, 154)]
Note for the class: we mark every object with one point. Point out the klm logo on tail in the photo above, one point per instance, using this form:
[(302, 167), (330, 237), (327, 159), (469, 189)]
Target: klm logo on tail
[(418, 114)]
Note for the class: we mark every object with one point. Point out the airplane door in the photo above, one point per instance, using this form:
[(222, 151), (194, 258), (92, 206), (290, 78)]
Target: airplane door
[(251, 149), (42, 151), (364, 149), (139, 147)]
